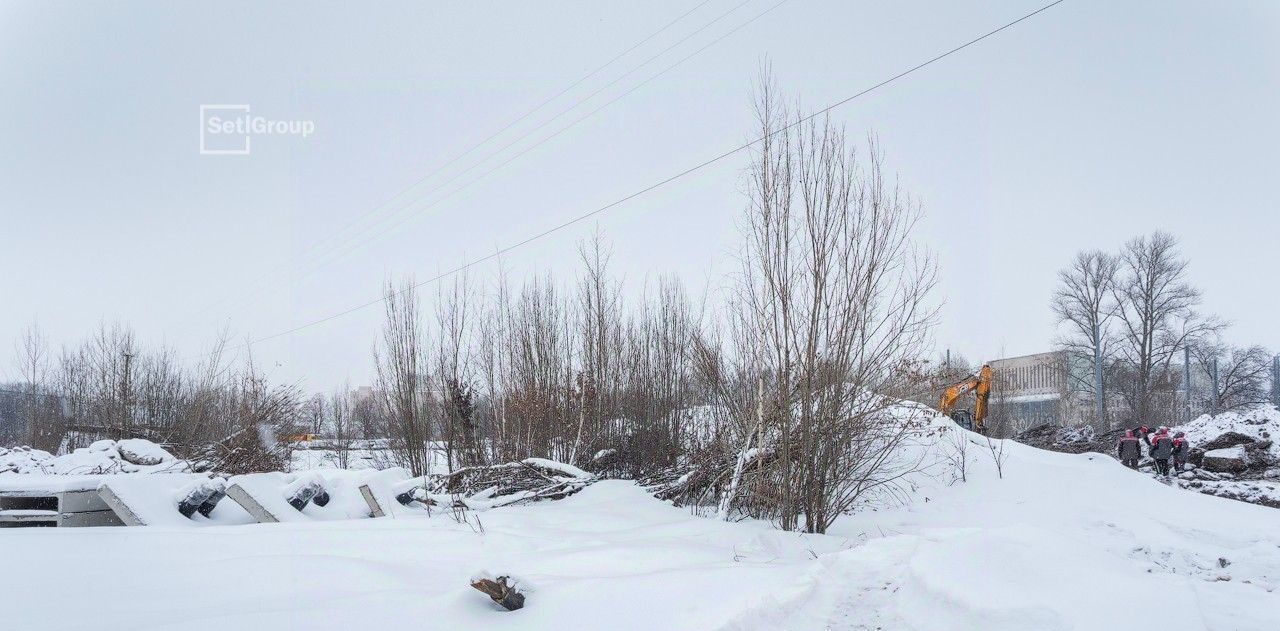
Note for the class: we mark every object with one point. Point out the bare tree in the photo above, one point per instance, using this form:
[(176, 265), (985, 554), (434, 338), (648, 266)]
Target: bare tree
[(1084, 304), (342, 425), (41, 422), (402, 376), (1156, 317), (315, 411), (458, 417), (1239, 379), (835, 291)]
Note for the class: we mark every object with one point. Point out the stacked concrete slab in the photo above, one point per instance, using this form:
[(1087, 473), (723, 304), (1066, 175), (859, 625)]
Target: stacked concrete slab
[(66, 501), (158, 499)]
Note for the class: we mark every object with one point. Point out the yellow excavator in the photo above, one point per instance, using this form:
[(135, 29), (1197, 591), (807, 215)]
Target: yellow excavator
[(980, 386)]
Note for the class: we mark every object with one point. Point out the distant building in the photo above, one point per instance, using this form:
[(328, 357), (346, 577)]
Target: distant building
[(1029, 390), (1057, 387)]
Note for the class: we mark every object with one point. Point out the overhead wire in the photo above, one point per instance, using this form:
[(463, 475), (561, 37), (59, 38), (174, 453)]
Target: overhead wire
[(677, 176)]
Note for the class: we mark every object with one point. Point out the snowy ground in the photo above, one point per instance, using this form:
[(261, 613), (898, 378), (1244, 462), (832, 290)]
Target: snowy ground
[(1062, 542)]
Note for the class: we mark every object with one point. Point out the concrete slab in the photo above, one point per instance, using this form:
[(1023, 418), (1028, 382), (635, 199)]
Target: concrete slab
[(90, 519), (375, 509), (122, 510), (251, 505), (81, 501), (27, 517)]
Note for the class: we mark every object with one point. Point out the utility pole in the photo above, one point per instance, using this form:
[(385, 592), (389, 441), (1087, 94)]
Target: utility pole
[(1213, 374), (124, 396), (1275, 380), (1186, 379), (1099, 410)]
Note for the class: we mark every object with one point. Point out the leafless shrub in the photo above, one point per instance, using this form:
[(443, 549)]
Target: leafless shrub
[(996, 449), (956, 454)]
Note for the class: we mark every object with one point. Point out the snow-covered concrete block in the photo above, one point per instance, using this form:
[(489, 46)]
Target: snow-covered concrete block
[(119, 507), (1228, 460)]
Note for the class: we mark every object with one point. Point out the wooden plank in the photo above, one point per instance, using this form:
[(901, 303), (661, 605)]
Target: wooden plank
[(375, 509), (89, 519), (81, 502), (250, 505), (117, 505)]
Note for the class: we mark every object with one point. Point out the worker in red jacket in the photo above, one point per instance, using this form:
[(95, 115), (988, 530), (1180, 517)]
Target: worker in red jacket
[(1162, 450), (1181, 450), (1143, 433), (1129, 449)]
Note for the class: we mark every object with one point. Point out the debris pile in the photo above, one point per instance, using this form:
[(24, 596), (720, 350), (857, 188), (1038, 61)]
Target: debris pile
[(1072, 440), (484, 487)]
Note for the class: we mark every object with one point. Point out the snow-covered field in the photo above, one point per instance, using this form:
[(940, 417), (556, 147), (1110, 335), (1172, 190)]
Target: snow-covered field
[(1061, 542)]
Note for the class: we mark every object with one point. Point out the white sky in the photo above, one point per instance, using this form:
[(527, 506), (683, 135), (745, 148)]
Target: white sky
[(1082, 127)]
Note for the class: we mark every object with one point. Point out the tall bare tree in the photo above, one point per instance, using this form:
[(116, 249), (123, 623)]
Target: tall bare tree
[(41, 422), (1156, 317), (342, 425), (1084, 304), (402, 378), (836, 293)]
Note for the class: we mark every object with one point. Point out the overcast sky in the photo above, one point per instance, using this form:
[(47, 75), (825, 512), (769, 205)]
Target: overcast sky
[(1082, 127)]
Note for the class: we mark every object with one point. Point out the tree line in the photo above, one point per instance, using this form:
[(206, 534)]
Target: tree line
[(799, 359), (1137, 312)]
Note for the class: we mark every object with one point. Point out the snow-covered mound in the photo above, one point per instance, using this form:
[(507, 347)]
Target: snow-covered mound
[(1261, 424), (1236, 455), (133, 455)]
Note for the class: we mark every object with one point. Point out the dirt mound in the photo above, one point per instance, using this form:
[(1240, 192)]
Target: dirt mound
[(1072, 440)]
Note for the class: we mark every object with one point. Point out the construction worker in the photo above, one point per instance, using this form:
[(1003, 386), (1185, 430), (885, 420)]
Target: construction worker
[(1181, 449), (1129, 449), (1162, 450), (1143, 432)]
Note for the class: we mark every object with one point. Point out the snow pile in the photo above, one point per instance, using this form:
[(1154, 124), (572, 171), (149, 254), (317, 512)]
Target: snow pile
[(1261, 424), (22, 459), (133, 455), (1236, 455)]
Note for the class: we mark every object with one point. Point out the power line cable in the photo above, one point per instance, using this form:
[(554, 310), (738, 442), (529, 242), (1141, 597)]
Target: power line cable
[(697, 167), (355, 246), (315, 248)]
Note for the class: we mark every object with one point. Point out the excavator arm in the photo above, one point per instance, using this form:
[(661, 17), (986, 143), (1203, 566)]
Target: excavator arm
[(980, 385)]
